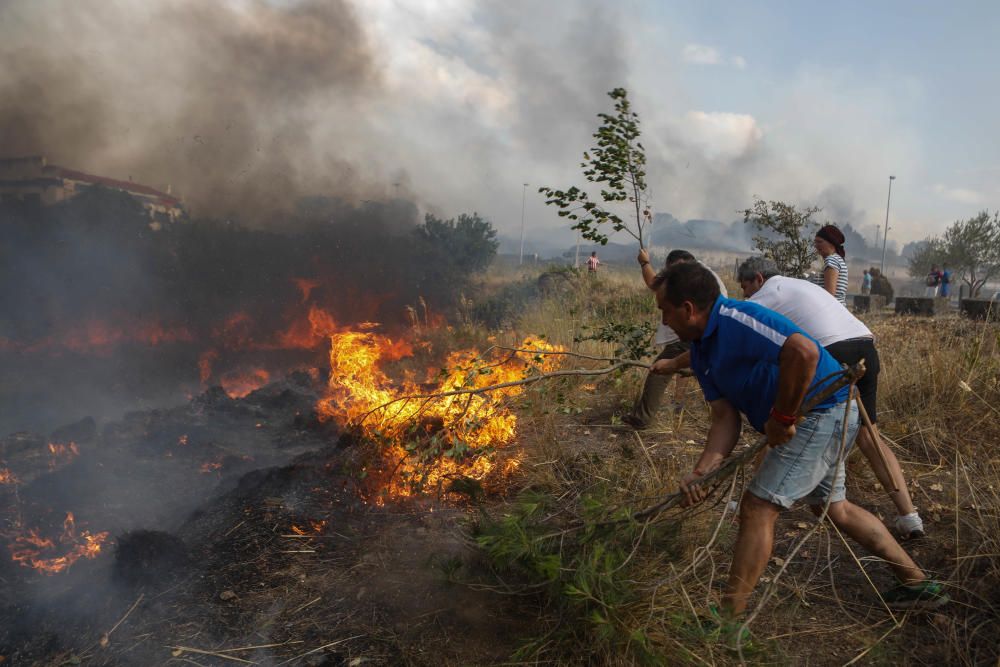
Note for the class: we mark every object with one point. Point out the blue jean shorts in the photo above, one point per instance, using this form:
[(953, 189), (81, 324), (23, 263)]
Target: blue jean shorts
[(810, 465)]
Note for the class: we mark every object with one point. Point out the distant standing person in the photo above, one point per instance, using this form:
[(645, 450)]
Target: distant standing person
[(945, 282), (933, 281), (829, 243), (593, 262), (866, 284)]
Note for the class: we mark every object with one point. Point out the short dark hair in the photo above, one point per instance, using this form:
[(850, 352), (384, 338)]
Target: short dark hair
[(688, 281), (679, 256)]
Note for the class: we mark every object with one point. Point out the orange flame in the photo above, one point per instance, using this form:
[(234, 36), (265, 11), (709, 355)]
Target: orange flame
[(462, 427), (315, 528), (210, 466), (241, 383), (7, 477), (62, 454), (32, 550)]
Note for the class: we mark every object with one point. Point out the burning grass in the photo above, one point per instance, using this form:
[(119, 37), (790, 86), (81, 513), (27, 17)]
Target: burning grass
[(292, 559), (438, 429)]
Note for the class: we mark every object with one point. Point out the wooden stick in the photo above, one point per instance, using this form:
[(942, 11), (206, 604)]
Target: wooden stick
[(849, 376), (188, 649), (122, 619), (339, 641), (877, 440), (253, 648), (505, 385)]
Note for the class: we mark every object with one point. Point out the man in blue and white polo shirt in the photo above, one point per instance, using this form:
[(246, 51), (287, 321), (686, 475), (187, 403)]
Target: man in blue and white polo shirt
[(753, 361)]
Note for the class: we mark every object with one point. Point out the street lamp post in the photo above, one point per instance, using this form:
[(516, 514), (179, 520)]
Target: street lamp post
[(885, 234), (524, 193)]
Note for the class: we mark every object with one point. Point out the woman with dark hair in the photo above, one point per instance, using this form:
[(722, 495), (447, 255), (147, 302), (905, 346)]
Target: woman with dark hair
[(829, 243)]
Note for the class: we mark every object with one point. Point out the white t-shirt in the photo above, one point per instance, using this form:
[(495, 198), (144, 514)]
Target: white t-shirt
[(811, 308), (666, 335)]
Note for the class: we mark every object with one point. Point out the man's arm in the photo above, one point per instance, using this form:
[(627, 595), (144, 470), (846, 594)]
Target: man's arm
[(796, 368), (723, 434), (668, 366), (648, 274)]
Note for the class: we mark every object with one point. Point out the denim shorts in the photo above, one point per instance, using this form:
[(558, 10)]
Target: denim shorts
[(809, 466)]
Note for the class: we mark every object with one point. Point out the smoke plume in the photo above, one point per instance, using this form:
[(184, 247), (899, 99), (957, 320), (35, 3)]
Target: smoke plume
[(219, 100)]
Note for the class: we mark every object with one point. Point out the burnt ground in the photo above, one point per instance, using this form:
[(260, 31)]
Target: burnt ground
[(240, 530), (237, 523)]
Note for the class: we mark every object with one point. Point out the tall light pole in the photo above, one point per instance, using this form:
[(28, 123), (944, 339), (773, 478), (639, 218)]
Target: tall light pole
[(524, 194), (885, 234)]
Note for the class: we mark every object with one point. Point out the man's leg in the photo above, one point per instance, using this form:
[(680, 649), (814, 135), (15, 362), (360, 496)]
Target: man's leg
[(865, 529), (652, 395), (754, 543), (653, 388), (889, 474)]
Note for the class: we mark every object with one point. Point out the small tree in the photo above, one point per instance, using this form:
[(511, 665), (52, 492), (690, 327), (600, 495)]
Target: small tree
[(467, 243), (784, 233), (927, 253), (974, 249), (618, 164)]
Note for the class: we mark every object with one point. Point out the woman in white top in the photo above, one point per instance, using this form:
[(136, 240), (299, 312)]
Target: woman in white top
[(829, 243)]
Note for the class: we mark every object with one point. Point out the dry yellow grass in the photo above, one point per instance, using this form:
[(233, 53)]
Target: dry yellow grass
[(940, 408)]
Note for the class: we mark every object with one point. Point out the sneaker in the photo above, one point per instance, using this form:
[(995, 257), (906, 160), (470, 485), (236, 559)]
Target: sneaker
[(728, 632), (927, 594), (634, 422), (909, 526)]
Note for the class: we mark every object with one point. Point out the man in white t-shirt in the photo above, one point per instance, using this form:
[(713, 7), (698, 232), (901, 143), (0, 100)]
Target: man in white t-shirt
[(656, 383), (844, 336)]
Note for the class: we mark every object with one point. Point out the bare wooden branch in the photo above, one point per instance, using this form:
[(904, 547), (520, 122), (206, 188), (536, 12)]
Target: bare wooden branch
[(576, 372)]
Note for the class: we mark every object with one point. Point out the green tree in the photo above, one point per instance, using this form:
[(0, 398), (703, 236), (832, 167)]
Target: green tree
[(969, 247), (929, 252), (784, 233), (467, 243), (617, 164)]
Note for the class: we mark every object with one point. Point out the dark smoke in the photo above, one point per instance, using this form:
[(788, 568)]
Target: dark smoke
[(219, 100)]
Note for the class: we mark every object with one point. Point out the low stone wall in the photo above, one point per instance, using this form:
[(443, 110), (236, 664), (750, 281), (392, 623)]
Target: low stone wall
[(867, 303), (921, 305), (980, 309)]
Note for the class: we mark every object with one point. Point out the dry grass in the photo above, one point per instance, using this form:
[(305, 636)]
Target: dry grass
[(939, 406)]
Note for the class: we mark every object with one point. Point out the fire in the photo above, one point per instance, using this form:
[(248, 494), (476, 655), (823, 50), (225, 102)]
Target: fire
[(305, 287), (241, 383), (427, 442), (62, 454), (37, 552), (7, 477), (315, 528), (210, 466), (99, 337)]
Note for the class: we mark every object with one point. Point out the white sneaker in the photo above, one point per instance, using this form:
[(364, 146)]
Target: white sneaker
[(909, 526)]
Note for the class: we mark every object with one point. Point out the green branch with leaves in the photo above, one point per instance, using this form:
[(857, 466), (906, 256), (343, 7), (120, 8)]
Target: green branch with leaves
[(617, 164)]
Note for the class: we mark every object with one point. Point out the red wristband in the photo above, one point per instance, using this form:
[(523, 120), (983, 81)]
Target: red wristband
[(787, 420)]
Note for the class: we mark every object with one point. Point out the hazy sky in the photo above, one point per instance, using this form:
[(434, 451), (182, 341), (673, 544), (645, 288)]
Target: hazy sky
[(807, 102), (458, 103)]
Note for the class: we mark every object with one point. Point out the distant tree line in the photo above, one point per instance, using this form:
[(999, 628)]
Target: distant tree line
[(95, 256), (970, 248)]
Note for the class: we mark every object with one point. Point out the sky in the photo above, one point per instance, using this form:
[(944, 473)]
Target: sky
[(457, 104), (814, 103)]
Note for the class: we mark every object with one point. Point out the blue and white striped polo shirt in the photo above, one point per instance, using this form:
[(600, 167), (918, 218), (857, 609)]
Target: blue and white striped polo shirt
[(736, 358)]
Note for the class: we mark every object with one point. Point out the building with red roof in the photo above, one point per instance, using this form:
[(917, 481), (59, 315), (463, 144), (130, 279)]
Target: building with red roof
[(32, 179)]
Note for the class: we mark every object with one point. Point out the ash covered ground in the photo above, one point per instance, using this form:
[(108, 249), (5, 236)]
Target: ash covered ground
[(234, 523)]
